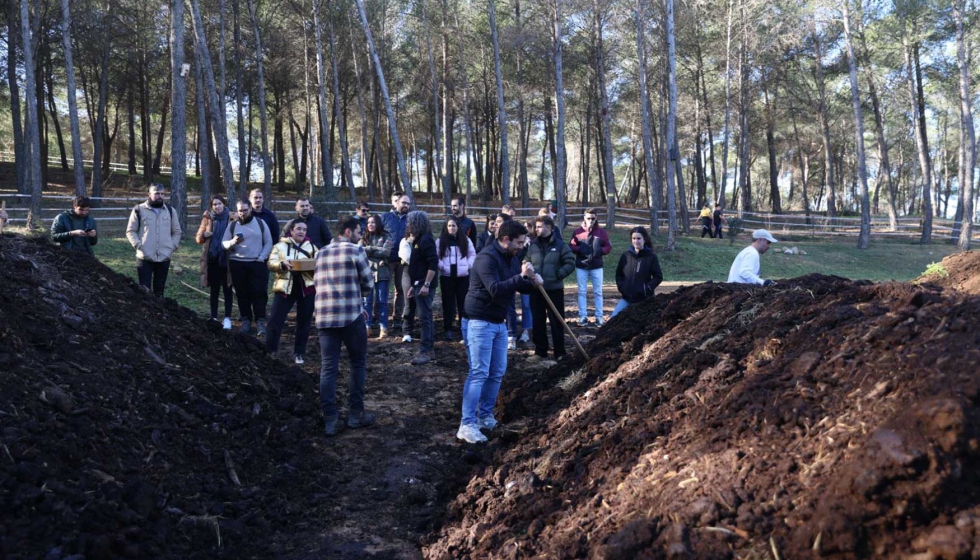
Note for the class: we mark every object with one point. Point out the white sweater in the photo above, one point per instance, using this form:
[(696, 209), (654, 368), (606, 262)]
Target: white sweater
[(745, 269)]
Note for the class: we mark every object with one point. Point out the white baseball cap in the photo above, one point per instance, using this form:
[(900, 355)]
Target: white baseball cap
[(763, 234)]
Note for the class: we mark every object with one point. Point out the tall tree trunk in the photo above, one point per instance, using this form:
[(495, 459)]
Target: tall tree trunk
[(745, 139), (238, 47), (824, 122), (885, 168), (131, 124), (728, 107), (203, 139), (53, 109), (968, 153), (921, 137), (158, 153), (467, 115), (20, 142), (76, 135), (178, 133), (338, 118), (393, 129), (326, 158), (436, 120), (96, 188), (775, 204), (864, 237), (366, 164), (448, 116), (32, 131), (263, 115), (655, 202), (501, 108), (671, 129), (522, 161), (605, 120), (216, 108)]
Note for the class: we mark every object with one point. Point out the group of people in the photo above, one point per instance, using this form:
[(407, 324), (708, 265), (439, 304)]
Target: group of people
[(342, 282)]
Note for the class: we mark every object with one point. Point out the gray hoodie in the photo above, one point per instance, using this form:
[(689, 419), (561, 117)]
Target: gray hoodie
[(258, 241)]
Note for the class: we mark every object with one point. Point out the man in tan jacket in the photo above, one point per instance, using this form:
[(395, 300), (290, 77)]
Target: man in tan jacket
[(154, 231)]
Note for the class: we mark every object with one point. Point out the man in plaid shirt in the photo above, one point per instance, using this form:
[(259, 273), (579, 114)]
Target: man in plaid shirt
[(343, 277)]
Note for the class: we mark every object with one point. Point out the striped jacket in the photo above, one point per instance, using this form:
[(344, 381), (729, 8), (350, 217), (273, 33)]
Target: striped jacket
[(343, 277)]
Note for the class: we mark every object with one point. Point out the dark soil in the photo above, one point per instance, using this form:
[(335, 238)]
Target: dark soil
[(960, 271), (120, 414), (818, 418)]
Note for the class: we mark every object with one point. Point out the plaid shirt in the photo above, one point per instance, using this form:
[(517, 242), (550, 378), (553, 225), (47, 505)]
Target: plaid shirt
[(343, 276)]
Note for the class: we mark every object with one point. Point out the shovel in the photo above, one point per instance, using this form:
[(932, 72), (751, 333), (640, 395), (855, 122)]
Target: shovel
[(561, 320)]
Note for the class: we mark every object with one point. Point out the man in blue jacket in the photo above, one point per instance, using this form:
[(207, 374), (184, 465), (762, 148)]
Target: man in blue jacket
[(394, 222), (497, 274), (74, 229)]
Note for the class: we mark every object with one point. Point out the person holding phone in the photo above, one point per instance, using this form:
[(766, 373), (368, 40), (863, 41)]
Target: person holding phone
[(75, 229), (249, 244)]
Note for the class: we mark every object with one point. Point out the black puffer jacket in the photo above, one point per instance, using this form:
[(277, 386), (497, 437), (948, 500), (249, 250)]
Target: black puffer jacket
[(638, 275)]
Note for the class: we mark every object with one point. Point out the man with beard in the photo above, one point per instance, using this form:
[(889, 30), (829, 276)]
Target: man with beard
[(316, 227), (394, 223), (154, 231), (249, 242), (466, 225), (75, 229), (497, 275)]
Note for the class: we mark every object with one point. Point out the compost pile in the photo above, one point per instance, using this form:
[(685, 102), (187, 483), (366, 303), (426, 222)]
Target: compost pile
[(959, 271), (130, 427), (820, 417)]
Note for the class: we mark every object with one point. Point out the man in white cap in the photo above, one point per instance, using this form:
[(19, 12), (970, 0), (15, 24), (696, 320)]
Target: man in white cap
[(745, 269)]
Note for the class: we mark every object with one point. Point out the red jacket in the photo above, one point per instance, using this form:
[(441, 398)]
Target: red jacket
[(589, 247)]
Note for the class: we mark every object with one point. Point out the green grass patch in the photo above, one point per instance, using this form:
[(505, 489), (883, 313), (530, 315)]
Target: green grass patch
[(119, 255), (698, 260)]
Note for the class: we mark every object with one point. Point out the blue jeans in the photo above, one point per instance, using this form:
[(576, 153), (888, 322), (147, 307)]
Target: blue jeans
[(379, 294), (526, 317), (526, 322), (423, 305), (354, 337), (623, 304), (487, 346), (583, 277)]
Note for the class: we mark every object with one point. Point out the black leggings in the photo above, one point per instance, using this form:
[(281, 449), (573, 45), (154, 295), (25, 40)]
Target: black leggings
[(218, 280), (454, 290)]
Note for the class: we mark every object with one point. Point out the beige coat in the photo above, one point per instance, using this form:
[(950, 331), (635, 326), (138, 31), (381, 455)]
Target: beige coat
[(287, 249), (158, 235)]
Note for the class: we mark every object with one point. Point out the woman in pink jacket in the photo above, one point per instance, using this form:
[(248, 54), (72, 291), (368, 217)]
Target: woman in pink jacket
[(456, 256)]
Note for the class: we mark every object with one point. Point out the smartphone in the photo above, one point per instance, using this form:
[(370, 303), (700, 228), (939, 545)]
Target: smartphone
[(240, 235)]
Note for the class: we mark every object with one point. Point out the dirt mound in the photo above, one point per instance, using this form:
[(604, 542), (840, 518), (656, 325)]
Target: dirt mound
[(959, 271), (818, 418), (130, 427)]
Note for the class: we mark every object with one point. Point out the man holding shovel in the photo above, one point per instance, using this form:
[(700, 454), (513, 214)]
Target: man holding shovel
[(496, 275)]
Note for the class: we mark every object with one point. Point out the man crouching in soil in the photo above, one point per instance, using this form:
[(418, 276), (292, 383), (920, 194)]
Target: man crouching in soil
[(496, 276)]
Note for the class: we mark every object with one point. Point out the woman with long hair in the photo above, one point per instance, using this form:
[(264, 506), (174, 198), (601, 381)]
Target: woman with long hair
[(291, 287), (377, 244), (214, 258), (488, 234), (456, 256), (638, 273)]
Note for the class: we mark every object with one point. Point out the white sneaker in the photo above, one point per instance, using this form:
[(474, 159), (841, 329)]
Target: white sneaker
[(407, 338), (299, 360), (470, 434), (525, 337), (511, 343), (226, 324), (488, 423)]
